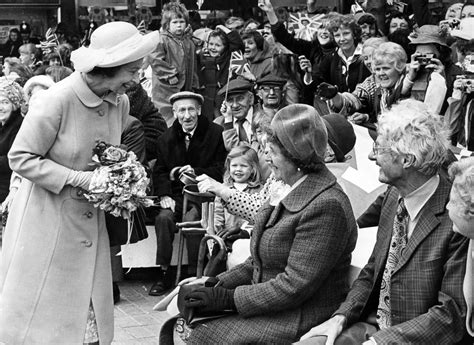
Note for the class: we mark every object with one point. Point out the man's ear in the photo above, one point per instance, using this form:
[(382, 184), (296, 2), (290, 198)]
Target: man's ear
[(198, 109), (251, 98), (408, 161), (259, 94)]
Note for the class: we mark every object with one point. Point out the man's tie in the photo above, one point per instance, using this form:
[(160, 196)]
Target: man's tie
[(187, 139), (242, 133), (397, 245)]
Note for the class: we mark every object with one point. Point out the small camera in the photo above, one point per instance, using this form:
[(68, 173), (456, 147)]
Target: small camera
[(453, 23), (424, 59), (467, 83)]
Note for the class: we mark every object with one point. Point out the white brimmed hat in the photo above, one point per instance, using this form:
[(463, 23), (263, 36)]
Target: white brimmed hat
[(466, 29), (114, 44)]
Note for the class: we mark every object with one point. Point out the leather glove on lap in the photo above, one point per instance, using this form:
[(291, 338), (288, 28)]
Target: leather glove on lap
[(326, 90), (235, 236), (210, 299)]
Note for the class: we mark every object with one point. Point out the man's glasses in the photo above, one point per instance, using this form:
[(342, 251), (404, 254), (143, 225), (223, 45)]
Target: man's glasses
[(377, 149), (268, 88)]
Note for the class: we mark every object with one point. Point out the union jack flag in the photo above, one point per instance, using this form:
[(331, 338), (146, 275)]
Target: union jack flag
[(238, 63), (50, 44)]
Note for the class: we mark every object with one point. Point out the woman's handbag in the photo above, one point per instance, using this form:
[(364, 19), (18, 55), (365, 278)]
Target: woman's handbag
[(117, 227)]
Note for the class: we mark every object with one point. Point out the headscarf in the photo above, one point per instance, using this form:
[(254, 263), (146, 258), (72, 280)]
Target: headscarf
[(12, 91)]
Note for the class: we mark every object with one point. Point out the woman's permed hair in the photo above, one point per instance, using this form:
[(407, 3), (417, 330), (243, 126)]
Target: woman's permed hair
[(251, 157), (409, 128), (173, 10), (462, 175), (345, 21), (392, 53)]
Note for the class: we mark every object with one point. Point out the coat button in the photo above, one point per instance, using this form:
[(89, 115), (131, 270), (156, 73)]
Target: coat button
[(89, 214), (87, 243), (101, 113), (80, 192)]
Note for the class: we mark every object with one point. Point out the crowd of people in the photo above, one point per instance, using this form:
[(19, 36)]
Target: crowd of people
[(261, 115)]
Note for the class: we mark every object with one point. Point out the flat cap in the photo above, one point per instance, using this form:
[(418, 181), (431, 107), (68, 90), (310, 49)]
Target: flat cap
[(238, 85), (272, 80), (186, 95)]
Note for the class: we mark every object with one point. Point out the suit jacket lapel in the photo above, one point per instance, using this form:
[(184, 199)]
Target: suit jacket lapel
[(428, 221), (385, 234)]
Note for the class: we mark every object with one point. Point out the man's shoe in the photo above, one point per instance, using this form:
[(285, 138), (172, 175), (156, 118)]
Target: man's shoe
[(163, 284)]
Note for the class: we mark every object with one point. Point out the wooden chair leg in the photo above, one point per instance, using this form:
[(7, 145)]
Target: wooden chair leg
[(180, 255)]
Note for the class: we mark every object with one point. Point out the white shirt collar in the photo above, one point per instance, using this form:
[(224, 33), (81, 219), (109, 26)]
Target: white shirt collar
[(353, 57), (415, 201)]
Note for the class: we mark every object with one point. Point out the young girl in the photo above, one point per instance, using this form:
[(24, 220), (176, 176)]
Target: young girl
[(213, 67), (242, 173), (173, 62)]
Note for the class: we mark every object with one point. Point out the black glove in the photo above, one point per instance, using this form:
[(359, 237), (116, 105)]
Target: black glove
[(211, 281), (210, 299), (327, 91), (236, 235)]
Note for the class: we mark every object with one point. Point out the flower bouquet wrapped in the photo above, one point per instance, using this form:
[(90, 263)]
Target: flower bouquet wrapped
[(119, 183)]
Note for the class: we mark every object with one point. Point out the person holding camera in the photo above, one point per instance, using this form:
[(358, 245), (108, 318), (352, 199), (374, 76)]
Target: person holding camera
[(430, 71), (459, 114)]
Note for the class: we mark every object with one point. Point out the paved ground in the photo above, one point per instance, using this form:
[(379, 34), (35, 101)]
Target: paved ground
[(135, 321)]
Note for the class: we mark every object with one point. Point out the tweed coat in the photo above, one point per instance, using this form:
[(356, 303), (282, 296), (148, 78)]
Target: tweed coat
[(426, 287), (56, 255), (298, 269)]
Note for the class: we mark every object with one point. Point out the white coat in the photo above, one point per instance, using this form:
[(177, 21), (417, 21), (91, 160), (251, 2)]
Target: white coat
[(56, 248)]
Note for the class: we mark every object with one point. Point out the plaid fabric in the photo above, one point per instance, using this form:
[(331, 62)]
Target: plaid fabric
[(298, 272), (426, 286)]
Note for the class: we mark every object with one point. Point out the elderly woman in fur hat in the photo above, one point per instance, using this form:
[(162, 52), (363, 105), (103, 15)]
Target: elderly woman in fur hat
[(300, 248), (65, 295)]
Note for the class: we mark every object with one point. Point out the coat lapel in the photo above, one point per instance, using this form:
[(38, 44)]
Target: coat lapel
[(385, 234), (428, 221), (260, 220)]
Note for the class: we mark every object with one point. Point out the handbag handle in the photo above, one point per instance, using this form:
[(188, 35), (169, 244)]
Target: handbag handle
[(203, 250)]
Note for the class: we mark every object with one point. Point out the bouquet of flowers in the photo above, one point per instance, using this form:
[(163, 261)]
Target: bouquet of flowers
[(119, 183)]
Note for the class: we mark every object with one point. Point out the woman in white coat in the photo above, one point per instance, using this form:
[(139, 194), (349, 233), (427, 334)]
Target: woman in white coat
[(55, 275)]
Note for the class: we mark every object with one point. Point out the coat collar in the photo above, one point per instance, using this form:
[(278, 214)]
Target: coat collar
[(85, 94), (310, 188)]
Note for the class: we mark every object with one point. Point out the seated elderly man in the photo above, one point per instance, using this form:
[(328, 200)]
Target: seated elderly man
[(237, 112), (191, 144), (271, 94), (410, 291)]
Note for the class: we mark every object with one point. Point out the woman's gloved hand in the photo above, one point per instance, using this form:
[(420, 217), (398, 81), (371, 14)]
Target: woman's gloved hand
[(210, 299), (327, 91)]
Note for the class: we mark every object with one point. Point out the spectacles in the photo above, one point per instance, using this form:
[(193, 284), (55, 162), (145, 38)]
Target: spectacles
[(377, 149), (268, 88), (183, 110)]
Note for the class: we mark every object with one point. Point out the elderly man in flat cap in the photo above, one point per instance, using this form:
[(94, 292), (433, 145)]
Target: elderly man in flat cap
[(192, 144), (271, 94), (237, 112)]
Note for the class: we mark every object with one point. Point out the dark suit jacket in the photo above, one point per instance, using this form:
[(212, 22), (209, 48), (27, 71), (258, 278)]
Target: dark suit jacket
[(426, 293), (298, 270), (206, 154)]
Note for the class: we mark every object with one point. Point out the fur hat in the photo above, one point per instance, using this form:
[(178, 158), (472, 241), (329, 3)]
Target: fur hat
[(301, 131), (114, 44)]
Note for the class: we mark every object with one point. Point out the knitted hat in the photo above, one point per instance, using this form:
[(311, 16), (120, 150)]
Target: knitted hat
[(114, 44), (429, 34), (341, 136), (301, 131), (12, 91)]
